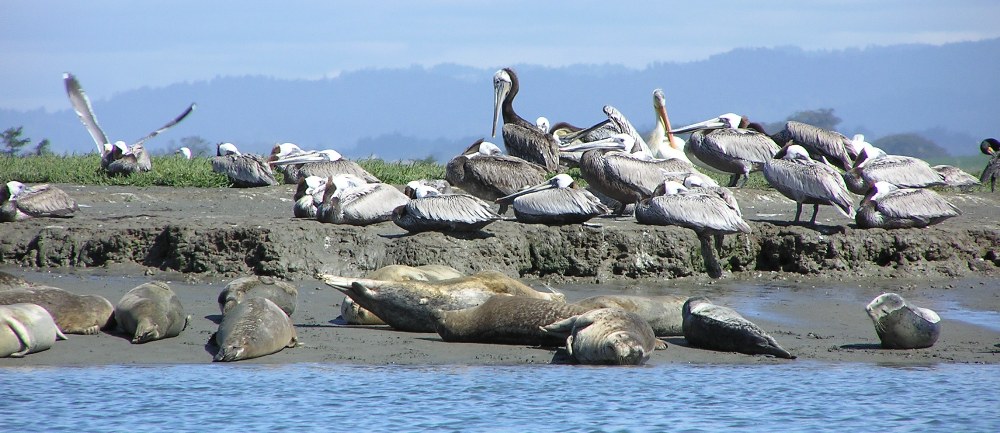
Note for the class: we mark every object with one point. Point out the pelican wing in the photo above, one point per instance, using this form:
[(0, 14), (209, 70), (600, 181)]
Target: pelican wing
[(641, 176), (742, 144), (696, 211), (246, 170), (373, 202), (505, 174), (819, 141), (332, 168), (560, 201), (81, 104), (45, 200), (169, 125), (455, 207), (902, 171), (920, 204), (532, 145), (809, 181), (624, 126)]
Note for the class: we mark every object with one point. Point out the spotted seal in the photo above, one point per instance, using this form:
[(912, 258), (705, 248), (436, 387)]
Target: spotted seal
[(903, 326), (506, 320), (607, 336), (663, 313), (75, 314), (715, 327), (150, 312), (354, 314), (253, 328), (282, 293), (26, 328)]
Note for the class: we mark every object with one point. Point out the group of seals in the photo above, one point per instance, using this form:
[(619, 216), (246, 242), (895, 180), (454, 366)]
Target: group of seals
[(75, 314), (26, 328), (354, 314), (607, 336), (150, 312)]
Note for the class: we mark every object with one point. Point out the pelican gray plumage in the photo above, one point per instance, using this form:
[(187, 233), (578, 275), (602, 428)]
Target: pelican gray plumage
[(555, 201), (139, 159), (521, 138), (890, 207), (429, 210), (991, 173), (350, 200), (799, 178), (709, 215), (729, 146), (698, 184), (874, 165), (244, 170), (955, 177), (308, 196), (832, 145), (19, 202), (323, 163), (487, 174)]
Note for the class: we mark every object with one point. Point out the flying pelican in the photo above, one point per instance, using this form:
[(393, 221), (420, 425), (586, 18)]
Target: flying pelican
[(556, 201), (799, 178), (522, 139), (184, 152), (730, 146), (487, 174), (323, 163), (308, 196), (19, 202), (991, 173), (138, 158), (955, 177), (350, 200), (707, 214), (875, 165), (428, 210), (243, 170), (832, 145), (890, 207)]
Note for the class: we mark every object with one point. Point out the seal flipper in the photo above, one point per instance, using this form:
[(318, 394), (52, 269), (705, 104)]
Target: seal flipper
[(660, 344), (22, 334)]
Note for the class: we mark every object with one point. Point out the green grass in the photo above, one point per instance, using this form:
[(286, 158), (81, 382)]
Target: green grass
[(399, 173)]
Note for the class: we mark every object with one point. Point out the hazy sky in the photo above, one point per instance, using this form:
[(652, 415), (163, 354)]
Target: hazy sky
[(116, 45)]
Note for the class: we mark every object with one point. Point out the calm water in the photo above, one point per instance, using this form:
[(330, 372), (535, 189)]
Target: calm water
[(803, 396)]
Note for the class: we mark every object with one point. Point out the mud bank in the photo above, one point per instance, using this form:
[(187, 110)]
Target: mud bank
[(231, 232)]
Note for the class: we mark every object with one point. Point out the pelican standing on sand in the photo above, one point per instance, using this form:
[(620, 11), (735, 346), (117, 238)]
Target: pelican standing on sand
[(874, 165), (487, 174), (117, 158), (729, 146), (350, 200), (799, 178), (244, 170), (707, 214), (991, 146), (521, 138), (835, 147), (429, 210), (890, 207), (323, 163), (556, 201), (19, 202)]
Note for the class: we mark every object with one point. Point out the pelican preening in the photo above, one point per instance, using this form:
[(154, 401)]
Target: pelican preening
[(348, 199), (244, 170), (663, 143), (308, 196), (428, 210), (556, 201), (991, 173), (487, 174), (117, 158), (835, 147), (521, 138), (874, 165), (890, 207), (323, 163), (799, 178), (730, 146), (19, 202)]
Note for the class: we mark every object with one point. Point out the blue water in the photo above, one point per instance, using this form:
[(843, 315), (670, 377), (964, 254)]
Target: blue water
[(797, 396)]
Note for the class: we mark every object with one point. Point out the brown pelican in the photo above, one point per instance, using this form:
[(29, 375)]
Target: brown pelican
[(556, 201), (184, 152), (542, 123), (487, 174), (308, 196), (136, 157), (522, 139), (955, 177), (799, 178), (875, 165), (890, 207), (662, 143), (243, 170), (323, 163), (20, 202), (835, 147), (350, 200), (290, 173), (429, 210), (698, 184), (707, 214), (730, 146), (991, 173)]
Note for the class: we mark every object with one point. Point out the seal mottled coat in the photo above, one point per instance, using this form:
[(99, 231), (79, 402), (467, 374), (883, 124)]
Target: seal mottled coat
[(903, 326), (663, 313), (715, 327), (610, 336), (26, 328), (253, 328), (282, 293), (75, 314), (149, 312), (354, 314), (506, 320)]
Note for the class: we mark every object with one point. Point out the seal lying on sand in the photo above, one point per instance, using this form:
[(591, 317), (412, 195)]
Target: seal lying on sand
[(408, 305), (506, 320), (75, 314), (715, 327), (354, 314), (253, 328), (284, 294), (150, 312), (902, 326), (607, 336), (663, 313), (26, 328), (11, 282)]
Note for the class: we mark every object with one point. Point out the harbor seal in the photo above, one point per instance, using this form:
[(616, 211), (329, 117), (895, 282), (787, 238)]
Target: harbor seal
[(506, 320), (903, 326), (75, 314), (253, 328), (607, 336), (26, 328), (408, 305), (12, 282), (282, 293), (150, 312), (354, 314), (715, 327), (663, 313)]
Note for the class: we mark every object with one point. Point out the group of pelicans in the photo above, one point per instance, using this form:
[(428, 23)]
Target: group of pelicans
[(487, 307)]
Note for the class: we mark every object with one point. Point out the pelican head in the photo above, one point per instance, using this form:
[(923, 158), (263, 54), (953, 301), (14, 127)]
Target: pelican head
[(669, 187), (692, 181), (868, 153), (307, 157), (227, 149), (542, 123), (878, 190), (794, 151), (120, 147), (282, 150), (561, 180), (344, 181), (184, 151), (728, 120), (503, 81), (423, 191), (488, 149), (989, 146), (11, 190)]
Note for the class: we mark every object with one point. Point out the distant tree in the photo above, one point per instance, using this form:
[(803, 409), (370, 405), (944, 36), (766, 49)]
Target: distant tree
[(199, 146), (44, 147), (12, 140), (910, 145)]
